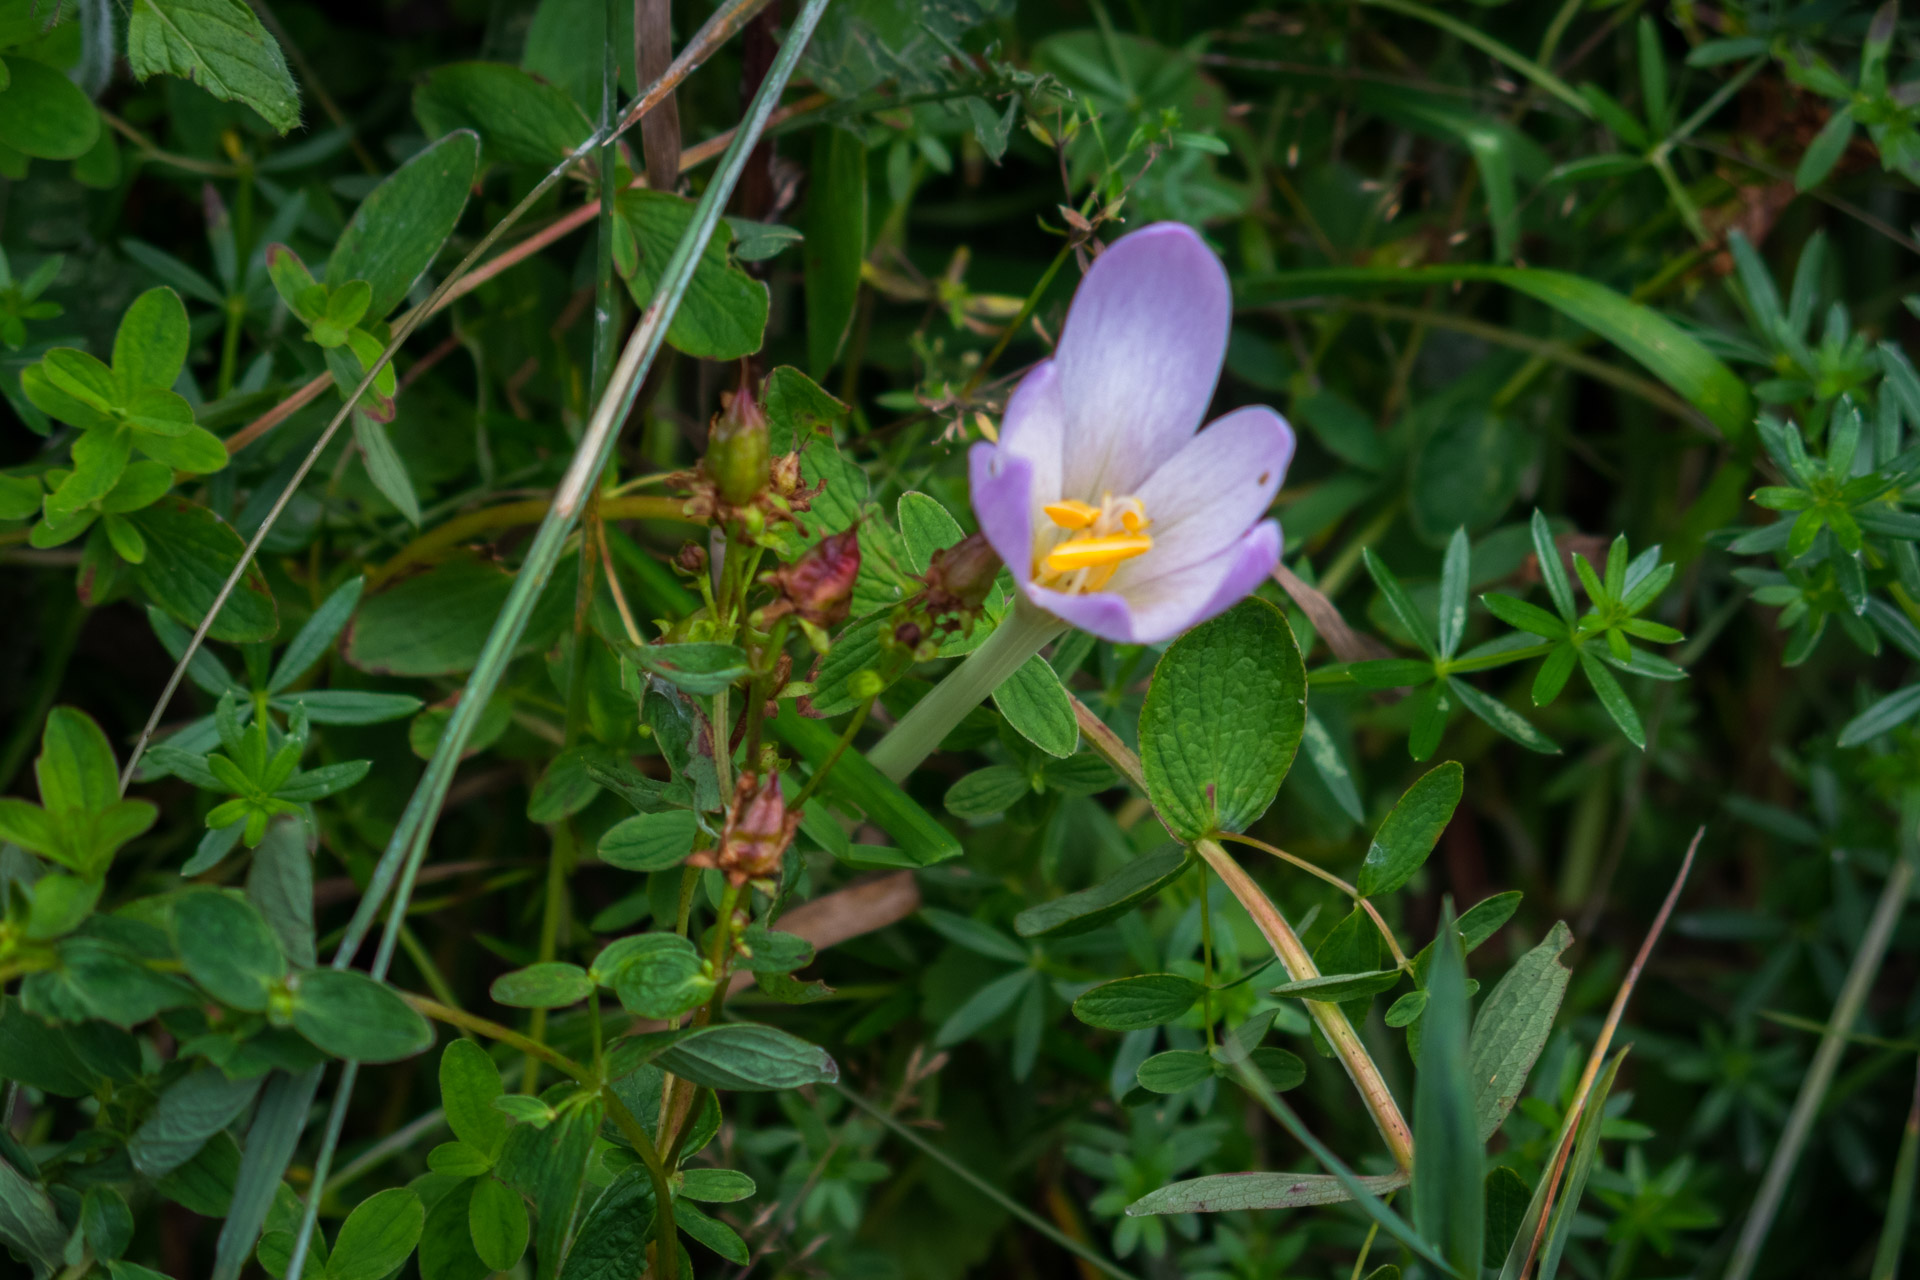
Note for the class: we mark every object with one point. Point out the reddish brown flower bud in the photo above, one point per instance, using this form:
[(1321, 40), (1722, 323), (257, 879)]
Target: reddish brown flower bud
[(959, 577), (756, 835), (908, 635), (691, 558), (737, 449), (818, 587)]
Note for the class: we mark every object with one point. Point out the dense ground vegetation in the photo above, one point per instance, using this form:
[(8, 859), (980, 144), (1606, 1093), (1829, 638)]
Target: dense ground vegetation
[(430, 426)]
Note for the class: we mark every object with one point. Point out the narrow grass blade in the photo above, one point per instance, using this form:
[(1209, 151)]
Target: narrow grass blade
[(1586, 1146), (1826, 1059), (1893, 1235), (271, 1138)]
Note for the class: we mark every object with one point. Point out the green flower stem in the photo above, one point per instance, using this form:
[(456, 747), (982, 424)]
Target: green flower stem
[(1286, 944), (1826, 1059), (1023, 633)]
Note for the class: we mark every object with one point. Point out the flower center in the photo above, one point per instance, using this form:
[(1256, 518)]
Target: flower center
[(1087, 543)]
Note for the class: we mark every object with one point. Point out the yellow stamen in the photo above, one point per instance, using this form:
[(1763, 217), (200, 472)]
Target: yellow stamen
[(1092, 553), (1071, 513), (1134, 521)]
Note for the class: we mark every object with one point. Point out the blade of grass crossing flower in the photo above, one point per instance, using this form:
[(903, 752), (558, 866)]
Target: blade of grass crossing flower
[(401, 860), (1826, 1059), (725, 21)]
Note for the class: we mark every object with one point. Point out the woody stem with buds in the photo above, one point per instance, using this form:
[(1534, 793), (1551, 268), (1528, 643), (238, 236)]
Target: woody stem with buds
[(1021, 634)]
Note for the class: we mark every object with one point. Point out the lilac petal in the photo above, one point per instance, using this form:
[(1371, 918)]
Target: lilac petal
[(1034, 427), (1210, 493), (1139, 357), (1002, 484), (1164, 608)]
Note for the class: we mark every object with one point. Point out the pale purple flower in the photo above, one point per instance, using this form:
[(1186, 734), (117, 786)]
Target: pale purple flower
[(1111, 513)]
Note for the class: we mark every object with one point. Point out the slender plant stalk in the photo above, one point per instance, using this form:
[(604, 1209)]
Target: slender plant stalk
[(1020, 635), (1584, 1090), (722, 25), (1286, 944), (400, 863), (1826, 1059), (1470, 34)]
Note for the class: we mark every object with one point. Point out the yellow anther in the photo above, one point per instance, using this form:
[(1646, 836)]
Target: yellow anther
[(1071, 513), (1093, 553), (1133, 521)]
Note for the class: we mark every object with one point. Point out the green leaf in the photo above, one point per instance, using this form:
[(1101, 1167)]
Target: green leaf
[(459, 1160), (716, 1235), (1108, 900), (975, 935), (106, 1222), (985, 1006), (1586, 1147), (219, 45), (1222, 720), (1614, 699), (1454, 573), (552, 984), (44, 114), (1668, 351), (1447, 1184), (151, 344), (190, 1110), (855, 782), (469, 1082), (1338, 988), (497, 1218), (522, 120), (29, 1222), (724, 313), (1036, 704), (661, 975), (75, 767), (926, 527), (190, 552), (747, 1057), (349, 1015), (1514, 1022), (715, 1186), (988, 791), (204, 1184), (446, 1239), (1502, 717), (1825, 150), (1175, 1071), (1401, 845), (650, 841), (228, 948), (398, 230), (836, 242), (385, 467), (434, 623), (1134, 1004), (378, 1236), (611, 1243), (701, 668), (1506, 1196), (1889, 712), (1235, 1192)]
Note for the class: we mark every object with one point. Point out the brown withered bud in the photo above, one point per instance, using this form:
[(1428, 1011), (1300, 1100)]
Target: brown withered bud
[(959, 577), (908, 635), (756, 835), (691, 558), (782, 672), (818, 587), (737, 448)]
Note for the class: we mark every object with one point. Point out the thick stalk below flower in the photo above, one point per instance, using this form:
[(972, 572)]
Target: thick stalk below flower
[(1023, 633)]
